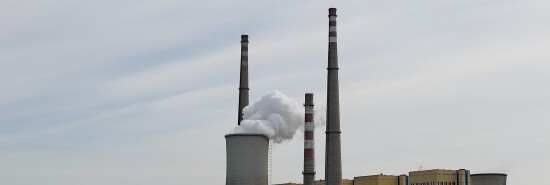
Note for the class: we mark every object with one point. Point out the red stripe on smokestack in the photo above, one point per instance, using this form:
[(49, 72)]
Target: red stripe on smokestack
[(308, 153), (308, 135), (309, 117), (243, 82), (309, 143)]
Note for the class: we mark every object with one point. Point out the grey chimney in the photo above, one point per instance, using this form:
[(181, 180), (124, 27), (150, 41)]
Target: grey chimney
[(333, 157), (243, 84)]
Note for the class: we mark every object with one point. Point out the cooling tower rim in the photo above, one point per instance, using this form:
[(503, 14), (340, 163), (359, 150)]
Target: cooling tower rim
[(489, 174), (246, 134)]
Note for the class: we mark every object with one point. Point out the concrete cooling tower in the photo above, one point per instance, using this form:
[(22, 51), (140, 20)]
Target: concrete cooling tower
[(488, 179), (247, 159)]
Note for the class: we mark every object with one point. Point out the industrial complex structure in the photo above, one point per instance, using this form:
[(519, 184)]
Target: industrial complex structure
[(426, 177), (247, 154)]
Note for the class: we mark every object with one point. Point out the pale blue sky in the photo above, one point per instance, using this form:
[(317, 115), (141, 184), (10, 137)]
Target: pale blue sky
[(142, 92)]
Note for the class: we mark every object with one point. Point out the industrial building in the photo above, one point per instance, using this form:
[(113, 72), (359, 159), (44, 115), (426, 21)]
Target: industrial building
[(321, 182), (440, 177), (381, 180), (344, 182), (424, 177)]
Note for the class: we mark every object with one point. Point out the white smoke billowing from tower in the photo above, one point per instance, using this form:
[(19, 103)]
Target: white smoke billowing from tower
[(275, 115)]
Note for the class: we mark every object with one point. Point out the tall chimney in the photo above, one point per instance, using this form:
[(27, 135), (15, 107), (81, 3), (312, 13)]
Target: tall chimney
[(243, 84), (309, 142), (333, 158)]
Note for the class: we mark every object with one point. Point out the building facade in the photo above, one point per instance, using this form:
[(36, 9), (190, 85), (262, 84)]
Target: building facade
[(440, 177), (381, 180)]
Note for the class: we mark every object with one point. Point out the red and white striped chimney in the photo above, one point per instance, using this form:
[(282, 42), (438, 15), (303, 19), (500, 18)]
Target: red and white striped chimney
[(309, 143)]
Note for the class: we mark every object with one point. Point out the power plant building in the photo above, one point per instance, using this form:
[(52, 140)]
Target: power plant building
[(425, 177), (381, 180), (440, 177)]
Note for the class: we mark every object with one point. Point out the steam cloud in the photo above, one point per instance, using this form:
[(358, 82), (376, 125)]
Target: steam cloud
[(276, 116)]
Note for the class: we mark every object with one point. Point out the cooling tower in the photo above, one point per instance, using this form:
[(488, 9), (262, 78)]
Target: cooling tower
[(246, 159), (333, 155), (488, 179)]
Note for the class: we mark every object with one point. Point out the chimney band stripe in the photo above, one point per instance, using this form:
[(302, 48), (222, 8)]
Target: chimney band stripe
[(309, 127), (308, 135), (309, 144), (308, 152), (309, 117)]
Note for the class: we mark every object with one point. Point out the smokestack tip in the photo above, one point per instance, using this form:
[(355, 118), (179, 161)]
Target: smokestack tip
[(309, 99), (244, 38), (332, 12)]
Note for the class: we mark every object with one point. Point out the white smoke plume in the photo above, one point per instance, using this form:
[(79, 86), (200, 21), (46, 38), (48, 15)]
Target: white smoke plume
[(274, 115)]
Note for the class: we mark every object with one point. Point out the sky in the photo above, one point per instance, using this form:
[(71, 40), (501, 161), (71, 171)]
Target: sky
[(135, 92)]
